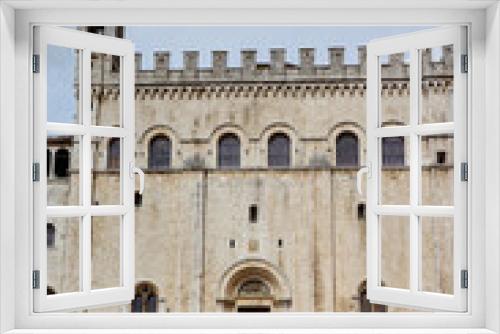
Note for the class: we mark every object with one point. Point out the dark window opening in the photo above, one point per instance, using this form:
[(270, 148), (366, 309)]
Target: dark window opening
[(51, 290), (232, 243), (347, 149), (145, 299), (361, 211), (364, 302), (280, 243), (253, 213), (138, 199), (61, 165), (254, 309), (51, 235), (228, 151), (114, 153), (441, 157), (278, 150), (49, 155), (96, 30), (160, 149), (393, 151)]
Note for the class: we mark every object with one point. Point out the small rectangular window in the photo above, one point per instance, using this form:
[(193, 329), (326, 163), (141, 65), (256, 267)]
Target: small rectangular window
[(441, 157), (361, 211), (253, 213), (138, 199)]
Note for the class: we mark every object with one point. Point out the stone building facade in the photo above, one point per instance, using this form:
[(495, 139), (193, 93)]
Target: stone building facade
[(253, 235)]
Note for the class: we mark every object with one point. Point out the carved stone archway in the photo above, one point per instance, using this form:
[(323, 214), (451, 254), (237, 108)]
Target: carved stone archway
[(254, 285)]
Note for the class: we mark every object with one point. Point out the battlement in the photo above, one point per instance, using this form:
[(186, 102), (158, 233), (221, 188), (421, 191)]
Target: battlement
[(277, 70)]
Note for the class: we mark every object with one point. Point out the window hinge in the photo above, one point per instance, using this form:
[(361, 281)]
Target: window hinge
[(464, 279), (36, 279), (464, 171), (465, 64), (36, 172), (36, 63)]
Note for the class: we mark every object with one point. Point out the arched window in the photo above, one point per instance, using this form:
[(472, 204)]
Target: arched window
[(393, 151), (61, 162), (347, 149), (114, 153), (146, 298), (228, 151), (160, 150), (278, 150)]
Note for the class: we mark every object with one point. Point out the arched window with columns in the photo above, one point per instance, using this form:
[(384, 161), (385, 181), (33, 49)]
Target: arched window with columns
[(278, 150), (159, 153), (347, 149), (228, 151)]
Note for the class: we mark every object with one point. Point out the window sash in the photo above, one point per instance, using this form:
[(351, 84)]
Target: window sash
[(414, 296), (84, 211)]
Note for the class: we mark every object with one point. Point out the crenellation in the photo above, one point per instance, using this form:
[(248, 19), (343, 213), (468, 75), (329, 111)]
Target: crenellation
[(138, 61), (337, 61), (248, 63), (277, 71), (306, 56), (191, 64), (278, 61), (219, 63), (362, 59), (162, 60), (442, 67)]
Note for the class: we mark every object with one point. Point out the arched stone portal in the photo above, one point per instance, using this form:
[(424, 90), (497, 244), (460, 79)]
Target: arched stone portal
[(254, 285)]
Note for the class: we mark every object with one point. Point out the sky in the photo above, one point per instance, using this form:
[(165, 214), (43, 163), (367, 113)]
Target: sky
[(61, 61)]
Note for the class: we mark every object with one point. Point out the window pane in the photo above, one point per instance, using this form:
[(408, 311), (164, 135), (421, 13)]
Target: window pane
[(63, 255), (63, 170), (106, 252), (436, 100), (106, 159), (279, 150), (395, 170), (63, 87), (437, 169), (395, 251), (347, 150), (437, 254), (159, 154), (228, 153), (106, 90), (395, 90)]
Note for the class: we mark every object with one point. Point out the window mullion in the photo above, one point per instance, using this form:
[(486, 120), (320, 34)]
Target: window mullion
[(414, 172), (85, 175)]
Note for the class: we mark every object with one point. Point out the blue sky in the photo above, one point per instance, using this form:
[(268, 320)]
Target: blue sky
[(61, 103)]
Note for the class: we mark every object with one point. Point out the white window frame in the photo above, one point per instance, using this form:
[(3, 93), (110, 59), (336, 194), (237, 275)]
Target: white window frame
[(15, 162), (85, 44)]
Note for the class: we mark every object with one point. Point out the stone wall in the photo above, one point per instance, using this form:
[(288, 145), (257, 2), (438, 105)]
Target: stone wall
[(308, 242)]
